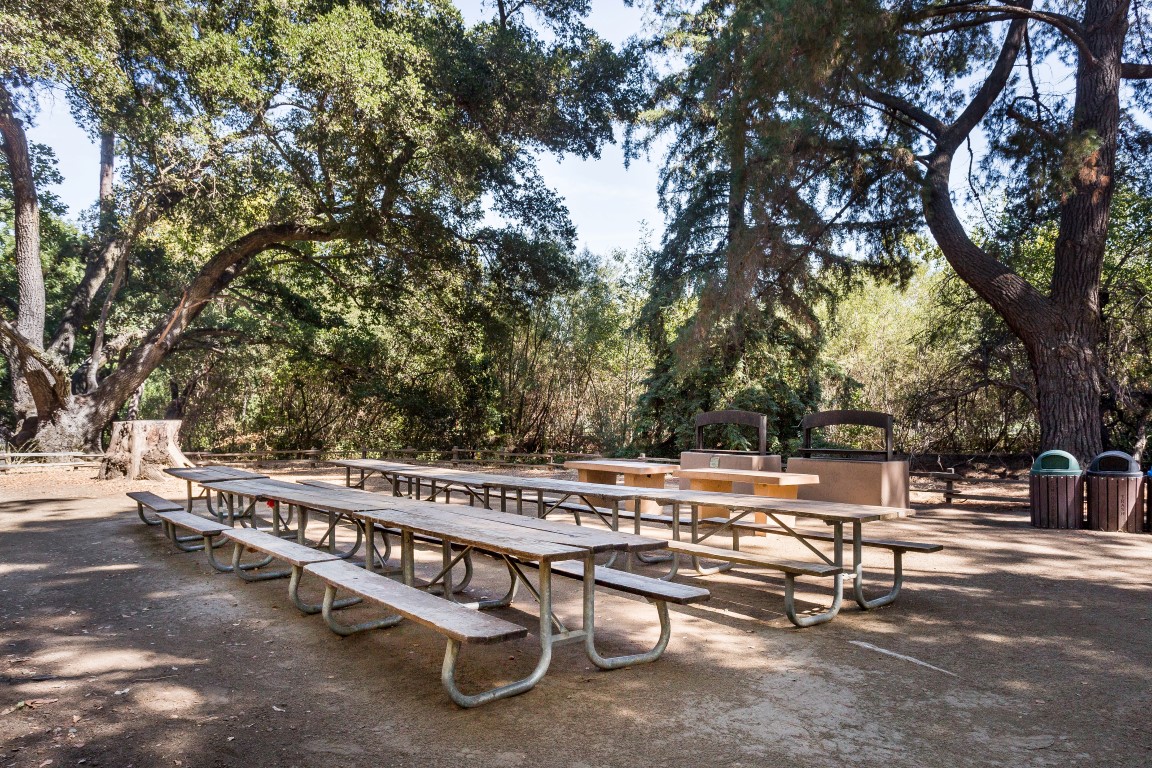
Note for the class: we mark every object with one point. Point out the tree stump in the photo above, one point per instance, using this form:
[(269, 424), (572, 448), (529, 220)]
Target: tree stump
[(142, 450)]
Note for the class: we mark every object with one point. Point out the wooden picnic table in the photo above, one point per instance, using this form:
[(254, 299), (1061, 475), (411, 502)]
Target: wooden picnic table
[(781, 485), (703, 505), (633, 472), (517, 541), (837, 515), (209, 474), (440, 479), (480, 485)]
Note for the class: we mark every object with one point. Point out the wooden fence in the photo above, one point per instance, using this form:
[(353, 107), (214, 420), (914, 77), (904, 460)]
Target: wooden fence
[(454, 456), (946, 483), (24, 461)]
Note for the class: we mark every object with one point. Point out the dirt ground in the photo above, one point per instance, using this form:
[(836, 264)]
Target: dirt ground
[(1013, 646)]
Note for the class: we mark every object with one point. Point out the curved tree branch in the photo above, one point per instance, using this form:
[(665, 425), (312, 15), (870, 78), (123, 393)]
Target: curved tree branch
[(216, 275), (1070, 27)]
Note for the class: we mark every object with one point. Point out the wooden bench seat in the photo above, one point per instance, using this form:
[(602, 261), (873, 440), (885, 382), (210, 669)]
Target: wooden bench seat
[(275, 548), (203, 530), (148, 500), (636, 584), (737, 557), (790, 568), (458, 624), (895, 546)]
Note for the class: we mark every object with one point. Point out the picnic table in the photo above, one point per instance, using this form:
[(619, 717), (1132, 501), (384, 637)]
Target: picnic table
[(549, 494), (635, 473), (712, 513), (523, 544), (836, 515), (782, 485), (206, 475)]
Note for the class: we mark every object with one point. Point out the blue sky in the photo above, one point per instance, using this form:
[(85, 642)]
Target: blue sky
[(608, 203)]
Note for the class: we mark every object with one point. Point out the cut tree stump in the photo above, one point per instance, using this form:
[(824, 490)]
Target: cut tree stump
[(142, 450)]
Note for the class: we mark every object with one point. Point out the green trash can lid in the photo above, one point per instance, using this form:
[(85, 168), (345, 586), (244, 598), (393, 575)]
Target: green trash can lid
[(1056, 463), (1115, 464)]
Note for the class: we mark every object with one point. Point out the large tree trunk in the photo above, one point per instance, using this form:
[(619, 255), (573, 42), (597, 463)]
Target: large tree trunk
[(74, 427), (1061, 331), (1068, 396), (31, 300), (141, 450)]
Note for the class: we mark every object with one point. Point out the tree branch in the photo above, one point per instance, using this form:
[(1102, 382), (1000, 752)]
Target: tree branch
[(917, 114), (1130, 71), (1070, 27), (989, 91), (215, 276)]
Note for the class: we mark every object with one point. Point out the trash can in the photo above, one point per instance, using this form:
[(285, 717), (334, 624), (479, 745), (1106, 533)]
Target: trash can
[(1115, 493), (1148, 493), (1057, 491)]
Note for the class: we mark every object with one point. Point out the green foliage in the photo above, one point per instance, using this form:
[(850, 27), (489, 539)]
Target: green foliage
[(952, 372)]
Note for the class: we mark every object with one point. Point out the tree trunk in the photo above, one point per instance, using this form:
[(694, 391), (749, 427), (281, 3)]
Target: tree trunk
[(1068, 397), (74, 427), (31, 299), (141, 450)]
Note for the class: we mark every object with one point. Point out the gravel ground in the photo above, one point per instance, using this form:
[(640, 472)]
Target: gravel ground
[(1013, 646)]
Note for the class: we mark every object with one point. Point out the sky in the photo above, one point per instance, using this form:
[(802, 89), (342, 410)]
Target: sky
[(609, 204)]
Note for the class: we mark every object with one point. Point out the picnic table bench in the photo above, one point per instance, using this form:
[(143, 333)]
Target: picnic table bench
[(202, 476), (553, 494), (520, 542)]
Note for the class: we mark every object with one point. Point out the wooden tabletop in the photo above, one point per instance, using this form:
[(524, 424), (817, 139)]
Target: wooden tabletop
[(566, 487), (623, 466), (212, 474), (294, 493), (829, 511), (754, 476), (493, 531), (499, 538)]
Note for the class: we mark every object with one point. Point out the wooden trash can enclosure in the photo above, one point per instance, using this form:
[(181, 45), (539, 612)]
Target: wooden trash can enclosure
[(1056, 487), (1115, 488)]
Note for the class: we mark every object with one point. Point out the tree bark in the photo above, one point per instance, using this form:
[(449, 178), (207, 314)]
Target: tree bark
[(141, 450), (31, 300), (1061, 331)]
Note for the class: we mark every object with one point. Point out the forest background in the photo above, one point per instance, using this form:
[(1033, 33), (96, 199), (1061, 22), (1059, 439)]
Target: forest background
[(458, 331)]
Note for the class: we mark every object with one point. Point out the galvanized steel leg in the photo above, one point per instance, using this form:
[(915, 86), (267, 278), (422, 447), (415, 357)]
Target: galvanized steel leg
[(312, 608), (701, 570), (331, 603), (181, 542), (241, 571), (820, 618), (223, 568), (143, 518), (509, 596), (616, 662), (858, 574), (452, 653)]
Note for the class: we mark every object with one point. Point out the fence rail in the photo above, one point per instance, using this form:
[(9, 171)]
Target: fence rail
[(951, 479), (25, 460), (455, 456)]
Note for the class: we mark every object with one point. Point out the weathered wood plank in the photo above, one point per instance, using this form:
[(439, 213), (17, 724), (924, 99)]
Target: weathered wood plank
[(450, 619)]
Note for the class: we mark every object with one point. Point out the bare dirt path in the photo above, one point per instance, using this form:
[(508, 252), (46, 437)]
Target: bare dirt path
[(1012, 647)]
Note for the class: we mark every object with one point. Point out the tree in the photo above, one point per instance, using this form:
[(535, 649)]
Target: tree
[(244, 133), (857, 111)]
